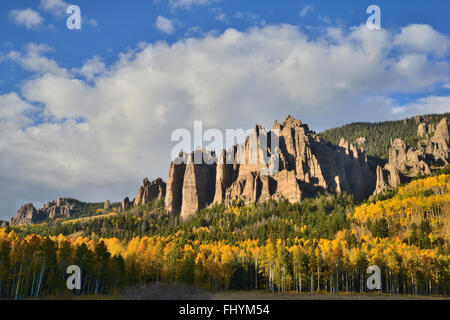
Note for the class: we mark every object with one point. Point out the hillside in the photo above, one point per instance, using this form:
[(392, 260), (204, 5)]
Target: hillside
[(61, 209), (378, 135), (272, 246), (418, 213), (315, 225)]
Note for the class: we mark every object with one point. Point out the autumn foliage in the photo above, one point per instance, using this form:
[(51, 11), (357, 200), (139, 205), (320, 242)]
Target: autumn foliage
[(413, 251)]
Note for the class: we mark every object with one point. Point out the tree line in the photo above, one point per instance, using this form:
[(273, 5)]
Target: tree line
[(317, 245)]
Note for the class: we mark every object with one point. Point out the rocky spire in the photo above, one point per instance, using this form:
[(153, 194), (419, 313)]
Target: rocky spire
[(126, 203), (150, 191), (306, 165)]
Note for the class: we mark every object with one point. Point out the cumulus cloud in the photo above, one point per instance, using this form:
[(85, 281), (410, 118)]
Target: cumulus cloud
[(431, 104), (27, 17), (164, 25), (423, 38), (12, 109), (34, 61), (92, 68), (54, 7), (103, 128)]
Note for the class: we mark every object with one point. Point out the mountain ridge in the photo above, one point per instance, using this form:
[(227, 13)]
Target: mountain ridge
[(377, 135), (309, 164)]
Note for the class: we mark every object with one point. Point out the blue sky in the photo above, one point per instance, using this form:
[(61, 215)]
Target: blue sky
[(122, 24), (88, 113)]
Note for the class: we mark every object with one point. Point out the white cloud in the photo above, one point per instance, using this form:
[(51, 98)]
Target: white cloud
[(26, 17), (92, 22), (188, 4), (423, 38), (220, 15), (324, 19), (92, 68), (194, 31), (55, 7), (165, 25), (12, 110), (97, 139), (306, 10), (249, 16), (427, 105), (34, 60)]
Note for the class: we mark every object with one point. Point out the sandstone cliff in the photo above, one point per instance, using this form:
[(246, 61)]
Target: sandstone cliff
[(406, 162), (301, 165)]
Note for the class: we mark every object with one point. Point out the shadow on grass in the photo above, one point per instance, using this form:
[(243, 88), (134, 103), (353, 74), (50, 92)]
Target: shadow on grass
[(163, 291)]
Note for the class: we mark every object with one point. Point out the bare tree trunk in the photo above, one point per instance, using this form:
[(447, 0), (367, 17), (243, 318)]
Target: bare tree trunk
[(256, 275), (18, 282), (300, 281), (318, 278), (32, 284), (38, 291)]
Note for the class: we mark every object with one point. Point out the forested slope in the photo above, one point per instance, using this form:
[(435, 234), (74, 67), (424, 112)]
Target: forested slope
[(378, 135), (322, 244)]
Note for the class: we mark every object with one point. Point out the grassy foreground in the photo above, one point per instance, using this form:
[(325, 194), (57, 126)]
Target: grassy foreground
[(161, 291)]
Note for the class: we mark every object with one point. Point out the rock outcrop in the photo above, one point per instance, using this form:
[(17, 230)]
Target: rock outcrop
[(198, 184), (4, 224), (61, 208), (126, 203), (301, 164), (361, 141), (438, 144), (27, 215), (174, 188), (191, 186), (424, 130), (150, 191), (406, 162)]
